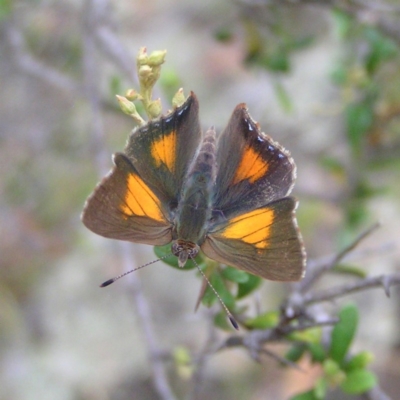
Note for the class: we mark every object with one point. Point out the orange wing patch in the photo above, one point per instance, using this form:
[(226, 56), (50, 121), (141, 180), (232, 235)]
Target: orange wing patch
[(140, 200), (163, 150), (251, 167), (253, 228)]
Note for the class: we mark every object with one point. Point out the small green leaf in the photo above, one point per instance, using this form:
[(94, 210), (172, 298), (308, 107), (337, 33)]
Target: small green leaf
[(344, 22), (359, 118), (359, 361), (223, 35), (246, 288), (181, 355), (343, 332), (359, 381), (349, 270), (221, 320), (317, 351), (295, 352), (339, 75), (320, 388), (333, 373), (5, 9), (263, 321), (277, 61), (311, 335), (310, 395), (235, 275), (357, 213), (218, 284), (331, 367), (283, 98), (382, 48)]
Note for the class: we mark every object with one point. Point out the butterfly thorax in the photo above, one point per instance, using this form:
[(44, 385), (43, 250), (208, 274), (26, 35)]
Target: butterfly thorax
[(195, 202)]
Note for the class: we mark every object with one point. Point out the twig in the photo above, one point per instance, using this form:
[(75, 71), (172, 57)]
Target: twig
[(313, 275), (280, 359), (201, 360), (143, 309), (254, 340), (386, 281)]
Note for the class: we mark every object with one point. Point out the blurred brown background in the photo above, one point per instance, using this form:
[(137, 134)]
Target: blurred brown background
[(61, 64)]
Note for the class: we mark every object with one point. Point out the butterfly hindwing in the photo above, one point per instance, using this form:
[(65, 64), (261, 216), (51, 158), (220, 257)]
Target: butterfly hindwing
[(124, 207), (264, 242)]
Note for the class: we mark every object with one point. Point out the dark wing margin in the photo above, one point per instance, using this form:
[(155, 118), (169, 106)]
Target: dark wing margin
[(253, 170)]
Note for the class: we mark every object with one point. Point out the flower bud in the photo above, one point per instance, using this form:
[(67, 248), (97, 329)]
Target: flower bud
[(179, 98), (126, 106)]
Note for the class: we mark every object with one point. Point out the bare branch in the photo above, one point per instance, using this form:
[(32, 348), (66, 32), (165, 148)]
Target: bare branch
[(143, 309), (385, 281), (316, 273), (254, 340), (201, 360)]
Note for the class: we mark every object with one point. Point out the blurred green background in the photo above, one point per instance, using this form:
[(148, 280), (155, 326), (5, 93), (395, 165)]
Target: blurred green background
[(322, 80)]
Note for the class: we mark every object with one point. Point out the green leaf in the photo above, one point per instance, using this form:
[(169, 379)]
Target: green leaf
[(349, 270), (295, 352), (263, 321), (5, 9), (223, 35), (359, 381), (382, 48), (221, 320), (343, 333), (357, 213), (359, 118), (235, 275), (277, 61), (344, 23), (310, 395), (246, 288), (317, 351), (218, 284), (283, 98), (359, 361), (333, 373), (311, 335), (339, 75), (320, 388)]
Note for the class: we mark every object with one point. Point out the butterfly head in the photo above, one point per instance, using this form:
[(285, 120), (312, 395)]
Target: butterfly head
[(184, 250)]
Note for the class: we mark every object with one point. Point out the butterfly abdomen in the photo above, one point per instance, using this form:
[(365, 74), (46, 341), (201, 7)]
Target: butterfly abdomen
[(195, 204)]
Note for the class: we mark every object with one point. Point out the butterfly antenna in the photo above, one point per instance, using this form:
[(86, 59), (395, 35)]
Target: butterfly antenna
[(230, 316), (112, 280)]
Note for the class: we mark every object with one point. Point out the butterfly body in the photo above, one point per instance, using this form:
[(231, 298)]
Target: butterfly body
[(226, 196)]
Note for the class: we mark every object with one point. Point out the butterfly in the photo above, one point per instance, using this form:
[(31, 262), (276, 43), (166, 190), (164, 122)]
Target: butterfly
[(226, 196)]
